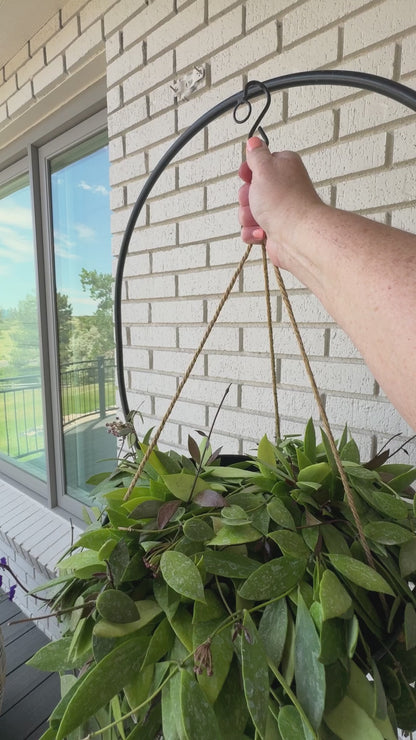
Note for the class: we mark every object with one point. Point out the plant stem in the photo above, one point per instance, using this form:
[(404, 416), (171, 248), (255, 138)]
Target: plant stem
[(285, 686)]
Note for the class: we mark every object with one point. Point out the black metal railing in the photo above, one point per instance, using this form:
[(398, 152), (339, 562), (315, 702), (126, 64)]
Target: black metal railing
[(87, 388)]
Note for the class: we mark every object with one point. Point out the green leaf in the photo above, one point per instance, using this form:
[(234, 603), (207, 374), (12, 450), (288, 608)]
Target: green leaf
[(160, 643), (334, 541), (103, 682), (280, 514), (334, 598), (333, 641), (309, 672), (230, 707), (386, 503), (222, 652), (407, 558), (235, 535), (148, 610), (229, 564), (171, 710), (182, 484), (316, 473), (273, 579), (198, 716), (117, 606), (181, 574), (255, 674), (266, 454), (290, 543), (387, 533), (84, 559), (119, 561), (350, 722), (360, 574), (402, 481), (273, 630), (198, 530), (350, 452), (290, 723), (410, 626), (54, 657), (309, 441), (235, 516)]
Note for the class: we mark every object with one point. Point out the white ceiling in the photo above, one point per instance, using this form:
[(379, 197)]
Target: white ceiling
[(19, 20)]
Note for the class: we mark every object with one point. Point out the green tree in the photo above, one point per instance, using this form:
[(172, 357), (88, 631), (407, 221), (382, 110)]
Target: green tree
[(64, 313), (24, 321), (99, 285)]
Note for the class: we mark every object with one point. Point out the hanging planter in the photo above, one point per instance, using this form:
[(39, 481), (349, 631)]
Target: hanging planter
[(239, 602)]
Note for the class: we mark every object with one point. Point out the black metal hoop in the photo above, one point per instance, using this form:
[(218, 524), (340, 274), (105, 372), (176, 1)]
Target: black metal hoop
[(373, 83)]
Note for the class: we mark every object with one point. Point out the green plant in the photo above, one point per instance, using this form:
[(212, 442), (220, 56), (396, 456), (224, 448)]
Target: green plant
[(238, 602)]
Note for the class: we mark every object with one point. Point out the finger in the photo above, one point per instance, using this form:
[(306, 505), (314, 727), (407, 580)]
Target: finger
[(246, 217), (252, 235), (245, 172), (243, 194)]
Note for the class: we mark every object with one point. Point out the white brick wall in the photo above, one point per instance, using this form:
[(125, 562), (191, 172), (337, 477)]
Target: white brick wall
[(359, 148)]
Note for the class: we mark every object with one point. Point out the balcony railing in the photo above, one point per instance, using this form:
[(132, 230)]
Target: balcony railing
[(87, 388)]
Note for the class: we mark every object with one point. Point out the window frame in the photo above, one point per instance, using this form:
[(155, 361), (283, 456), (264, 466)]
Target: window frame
[(36, 162)]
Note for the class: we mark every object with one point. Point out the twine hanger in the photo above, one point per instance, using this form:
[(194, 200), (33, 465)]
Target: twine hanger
[(295, 328)]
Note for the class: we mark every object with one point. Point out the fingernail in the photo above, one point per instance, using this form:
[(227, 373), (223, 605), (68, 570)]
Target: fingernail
[(259, 234), (254, 143)]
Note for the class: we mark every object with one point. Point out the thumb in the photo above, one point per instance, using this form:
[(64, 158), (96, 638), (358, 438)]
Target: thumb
[(257, 152)]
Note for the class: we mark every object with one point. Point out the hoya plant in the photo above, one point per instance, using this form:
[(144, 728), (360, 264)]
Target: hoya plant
[(238, 601)]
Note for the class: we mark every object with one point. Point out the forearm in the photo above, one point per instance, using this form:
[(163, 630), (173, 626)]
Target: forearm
[(364, 273)]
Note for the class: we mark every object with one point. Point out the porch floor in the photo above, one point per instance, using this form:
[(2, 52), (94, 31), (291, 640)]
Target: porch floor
[(29, 695)]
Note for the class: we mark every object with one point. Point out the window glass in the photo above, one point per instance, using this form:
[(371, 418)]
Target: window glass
[(21, 416), (83, 283)]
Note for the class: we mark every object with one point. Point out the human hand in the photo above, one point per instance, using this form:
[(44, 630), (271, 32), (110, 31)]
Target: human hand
[(276, 196)]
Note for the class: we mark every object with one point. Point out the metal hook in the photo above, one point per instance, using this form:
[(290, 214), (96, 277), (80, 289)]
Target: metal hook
[(245, 101)]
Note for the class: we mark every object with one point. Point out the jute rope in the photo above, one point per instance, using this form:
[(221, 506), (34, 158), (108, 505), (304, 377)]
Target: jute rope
[(308, 368), (189, 369)]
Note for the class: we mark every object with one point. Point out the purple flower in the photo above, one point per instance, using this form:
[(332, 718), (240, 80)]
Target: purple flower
[(3, 561), (12, 592), (1, 581)]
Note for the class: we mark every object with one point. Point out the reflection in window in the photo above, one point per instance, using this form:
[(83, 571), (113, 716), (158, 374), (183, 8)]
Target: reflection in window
[(82, 255), (21, 417)]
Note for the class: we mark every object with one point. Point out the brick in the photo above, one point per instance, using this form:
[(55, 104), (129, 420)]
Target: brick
[(149, 335), (220, 337), (198, 104), (7, 89), (148, 133), (148, 18), (187, 21), (248, 425), (154, 383), (160, 99), (316, 52), (183, 413), (368, 113), (340, 345), (150, 76), (134, 311), (164, 185), (216, 35), (209, 226), (222, 193), (134, 357), (71, 8), (113, 46), (137, 264), (153, 237), (124, 64), (115, 149), (178, 312), (294, 404), (93, 10), (226, 251), (177, 361), (49, 77), (206, 283), (245, 52), (205, 391), (17, 61), (120, 218), (113, 99), (3, 113), (127, 169), (307, 309), (182, 203), (157, 287), (87, 45), (376, 415), (117, 198), (260, 12), (50, 29), (211, 165), (61, 40), (329, 375), (408, 60), (357, 155), (378, 23), (404, 146), (237, 367), (129, 115), (20, 100), (256, 339), (380, 189), (313, 16), (179, 258), (240, 310), (405, 219), (195, 146), (29, 69)]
